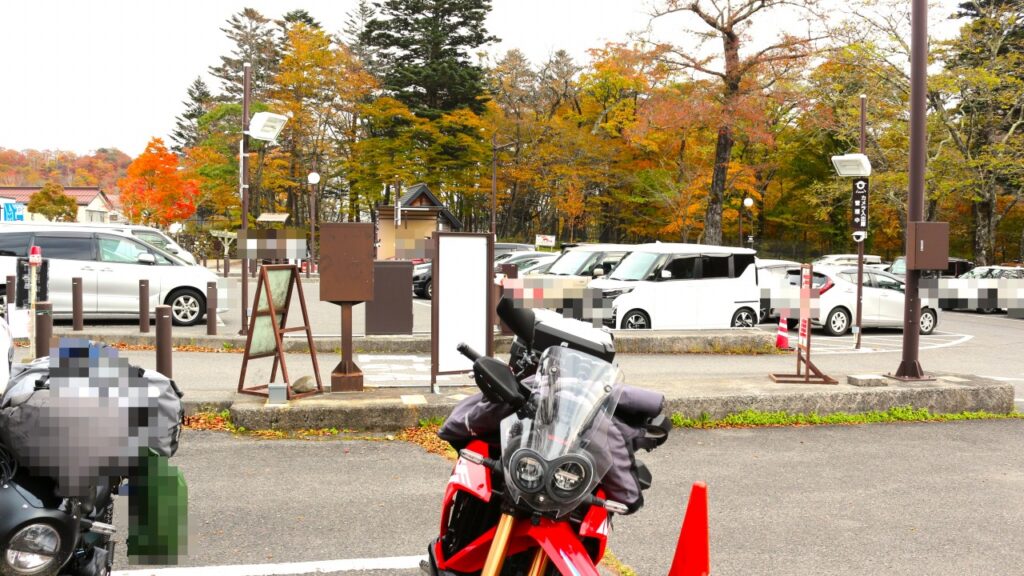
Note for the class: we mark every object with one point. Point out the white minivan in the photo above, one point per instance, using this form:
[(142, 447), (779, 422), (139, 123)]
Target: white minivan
[(110, 265), (148, 234), (669, 286)]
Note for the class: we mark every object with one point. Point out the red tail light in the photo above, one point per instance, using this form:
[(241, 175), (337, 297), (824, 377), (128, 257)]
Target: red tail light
[(828, 284)]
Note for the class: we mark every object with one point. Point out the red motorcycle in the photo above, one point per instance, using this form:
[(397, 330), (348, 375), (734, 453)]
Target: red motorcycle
[(535, 505)]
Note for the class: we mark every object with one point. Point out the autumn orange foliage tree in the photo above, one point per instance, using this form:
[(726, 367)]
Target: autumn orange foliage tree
[(154, 192)]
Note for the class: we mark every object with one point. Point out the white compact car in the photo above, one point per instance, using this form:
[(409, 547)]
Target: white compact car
[(110, 265), (883, 300), (669, 286)]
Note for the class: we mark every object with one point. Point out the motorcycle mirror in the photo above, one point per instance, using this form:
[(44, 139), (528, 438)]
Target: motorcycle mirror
[(495, 379), (520, 320)]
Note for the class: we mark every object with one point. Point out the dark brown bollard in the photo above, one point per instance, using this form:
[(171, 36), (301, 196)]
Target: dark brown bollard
[(211, 308), (12, 286), (44, 328), (77, 323), (164, 346), (144, 306)]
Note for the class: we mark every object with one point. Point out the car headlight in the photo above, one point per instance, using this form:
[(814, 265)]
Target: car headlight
[(616, 292), (33, 549), (528, 470)]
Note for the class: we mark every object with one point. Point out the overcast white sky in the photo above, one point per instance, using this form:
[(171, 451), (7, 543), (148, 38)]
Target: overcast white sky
[(85, 74)]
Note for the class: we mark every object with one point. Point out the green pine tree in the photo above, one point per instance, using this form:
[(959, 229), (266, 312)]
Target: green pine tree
[(424, 48), (186, 131)]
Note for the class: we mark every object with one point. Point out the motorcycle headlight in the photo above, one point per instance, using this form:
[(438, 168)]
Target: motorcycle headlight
[(33, 549), (528, 470), (570, 478)]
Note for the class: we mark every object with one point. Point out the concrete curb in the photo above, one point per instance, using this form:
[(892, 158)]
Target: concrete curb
[(747, 341), (385, 411)]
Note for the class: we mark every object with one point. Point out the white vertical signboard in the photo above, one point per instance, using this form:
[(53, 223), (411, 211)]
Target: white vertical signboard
[(461, 304)]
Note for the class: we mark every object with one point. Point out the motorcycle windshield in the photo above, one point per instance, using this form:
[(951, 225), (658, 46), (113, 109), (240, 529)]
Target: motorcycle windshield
[(555, 450)]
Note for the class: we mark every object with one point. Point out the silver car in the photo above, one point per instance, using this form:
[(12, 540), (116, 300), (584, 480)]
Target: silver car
[(110, 265)]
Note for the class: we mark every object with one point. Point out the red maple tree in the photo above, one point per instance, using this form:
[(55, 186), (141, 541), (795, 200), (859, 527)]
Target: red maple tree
[(154, 191)]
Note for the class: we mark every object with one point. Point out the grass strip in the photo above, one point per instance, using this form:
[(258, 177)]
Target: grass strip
[(756, 419)]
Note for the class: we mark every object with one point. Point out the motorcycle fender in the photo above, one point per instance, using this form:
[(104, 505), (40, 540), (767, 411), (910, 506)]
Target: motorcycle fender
[(597, 525), (563, 547), (470, 477)]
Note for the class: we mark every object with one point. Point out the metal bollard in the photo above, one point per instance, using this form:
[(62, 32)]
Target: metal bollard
[(12, 286), (44, 328), (144, 306), (211, 308), (77, 324), (164, 346)]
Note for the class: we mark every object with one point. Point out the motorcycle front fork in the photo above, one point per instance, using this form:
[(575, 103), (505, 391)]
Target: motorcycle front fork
[(499, 547)]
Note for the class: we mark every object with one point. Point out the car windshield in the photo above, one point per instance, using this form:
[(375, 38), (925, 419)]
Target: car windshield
[(636, 266), (573, 262)]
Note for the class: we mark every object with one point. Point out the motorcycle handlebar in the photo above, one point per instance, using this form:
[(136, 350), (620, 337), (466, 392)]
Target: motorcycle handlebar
[(468, 352)]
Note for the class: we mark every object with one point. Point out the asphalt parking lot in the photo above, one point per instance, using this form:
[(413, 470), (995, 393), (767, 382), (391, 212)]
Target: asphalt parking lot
[(937, 499)]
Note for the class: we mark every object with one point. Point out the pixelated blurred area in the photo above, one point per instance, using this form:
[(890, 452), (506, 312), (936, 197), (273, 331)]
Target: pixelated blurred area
[(975, 293), (561, 295), (157, 512), (83, 414), (412, 248), (272, 244)]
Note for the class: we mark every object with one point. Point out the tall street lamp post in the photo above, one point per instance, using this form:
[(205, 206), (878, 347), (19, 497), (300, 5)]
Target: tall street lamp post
[(264, 126), (494, 179), (747, 203), (313, 180)]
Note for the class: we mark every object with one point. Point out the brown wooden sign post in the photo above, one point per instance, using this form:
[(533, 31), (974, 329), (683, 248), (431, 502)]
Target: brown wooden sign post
[(804, 366), (267, 325), (346, 279)]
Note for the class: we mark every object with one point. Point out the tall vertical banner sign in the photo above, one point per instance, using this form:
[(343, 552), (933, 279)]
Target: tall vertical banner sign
[(860, 205), (806, 371), (805, 307)]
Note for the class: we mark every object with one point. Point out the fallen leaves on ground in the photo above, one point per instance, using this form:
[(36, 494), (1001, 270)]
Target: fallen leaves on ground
[(426, 436), (207, 421)]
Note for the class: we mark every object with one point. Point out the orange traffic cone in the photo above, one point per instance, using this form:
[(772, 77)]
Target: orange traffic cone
[(693, 552), (782, 336)]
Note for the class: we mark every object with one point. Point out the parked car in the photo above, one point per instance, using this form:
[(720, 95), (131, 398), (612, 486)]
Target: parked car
[(524, 261), (541, 266), (870, 260), (990, 273), (518, 258), (588, 261), (501, 248), (422, 280), (883, 300), (148, 234), (771, 277), (674, 286), (956, 268), (110, 265)]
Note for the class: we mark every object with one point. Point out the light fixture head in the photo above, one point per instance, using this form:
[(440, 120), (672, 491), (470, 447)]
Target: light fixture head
[(313, 178), (748, 202), (266, 125), (852, 165)]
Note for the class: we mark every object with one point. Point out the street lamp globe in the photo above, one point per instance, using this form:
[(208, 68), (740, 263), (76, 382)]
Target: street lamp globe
[(313, 178), (748, 202)]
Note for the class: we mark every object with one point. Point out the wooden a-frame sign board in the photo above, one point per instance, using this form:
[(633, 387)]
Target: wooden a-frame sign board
[(267, 326)]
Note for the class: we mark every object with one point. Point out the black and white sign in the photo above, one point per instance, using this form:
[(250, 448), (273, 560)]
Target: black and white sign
[(860, 205)]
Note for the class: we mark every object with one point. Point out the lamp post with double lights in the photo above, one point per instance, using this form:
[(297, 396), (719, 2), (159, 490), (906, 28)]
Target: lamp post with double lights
[(747, 203), (494, 180)]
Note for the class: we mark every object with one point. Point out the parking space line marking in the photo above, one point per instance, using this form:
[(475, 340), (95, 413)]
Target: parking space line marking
[(925, 345), (357, 564)]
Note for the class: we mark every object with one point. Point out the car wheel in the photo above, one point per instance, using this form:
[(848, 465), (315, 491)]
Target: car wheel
[(430, 290), (743, 318), (928, 321), (838, 322), (187, 307), (636, 320)]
